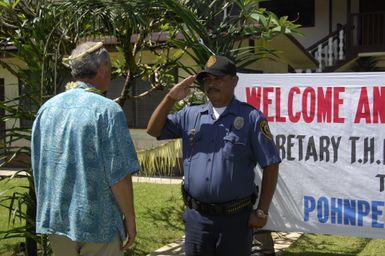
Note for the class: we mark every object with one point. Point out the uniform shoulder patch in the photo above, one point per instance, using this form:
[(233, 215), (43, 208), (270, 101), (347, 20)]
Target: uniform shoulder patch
[(265, 129)]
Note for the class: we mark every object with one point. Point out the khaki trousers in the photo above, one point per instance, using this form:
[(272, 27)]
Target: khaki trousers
[(63, 246)]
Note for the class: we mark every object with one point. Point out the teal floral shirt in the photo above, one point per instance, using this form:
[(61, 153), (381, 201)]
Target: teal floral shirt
[(81, 146)]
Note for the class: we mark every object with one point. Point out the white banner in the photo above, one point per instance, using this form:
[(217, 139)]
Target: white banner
[(330, 132)]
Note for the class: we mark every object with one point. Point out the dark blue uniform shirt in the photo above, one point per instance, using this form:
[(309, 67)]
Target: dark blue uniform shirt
[(219, 156)]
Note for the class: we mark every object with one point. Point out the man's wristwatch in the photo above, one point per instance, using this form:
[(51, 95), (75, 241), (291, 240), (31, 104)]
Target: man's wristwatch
[(261, 214)]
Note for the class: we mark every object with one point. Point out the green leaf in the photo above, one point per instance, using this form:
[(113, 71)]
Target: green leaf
[(277, 29), (256, 17), (5, 4), (178, 53)]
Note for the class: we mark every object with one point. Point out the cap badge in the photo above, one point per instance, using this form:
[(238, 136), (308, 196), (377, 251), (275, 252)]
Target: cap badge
[(239, 122), (211, 61)]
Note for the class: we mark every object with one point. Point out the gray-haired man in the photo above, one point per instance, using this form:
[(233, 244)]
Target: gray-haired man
[(82, 160)]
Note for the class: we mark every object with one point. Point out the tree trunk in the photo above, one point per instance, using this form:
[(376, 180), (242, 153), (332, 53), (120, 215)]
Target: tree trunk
[(31, 244)]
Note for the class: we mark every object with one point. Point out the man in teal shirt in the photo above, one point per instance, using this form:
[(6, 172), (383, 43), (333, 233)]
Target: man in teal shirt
[(82, 159)]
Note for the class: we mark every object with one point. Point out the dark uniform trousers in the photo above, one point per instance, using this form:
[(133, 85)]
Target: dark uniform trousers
[(217, 235)]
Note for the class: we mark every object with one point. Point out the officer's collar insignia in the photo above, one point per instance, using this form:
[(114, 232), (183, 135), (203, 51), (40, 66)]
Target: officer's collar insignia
[(239, 122), (266, 130), (212, 60)]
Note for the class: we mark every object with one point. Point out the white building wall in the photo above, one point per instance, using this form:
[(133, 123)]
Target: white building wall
[(11, 91), (339, 14), (321, 27)]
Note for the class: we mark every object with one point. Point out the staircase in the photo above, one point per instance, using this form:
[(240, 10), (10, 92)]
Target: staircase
[(364, 33), (330, 50)]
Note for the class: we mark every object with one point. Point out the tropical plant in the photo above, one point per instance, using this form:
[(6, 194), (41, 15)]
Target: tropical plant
[(225, 28), (164, 160), (32, 41), (136, 27), (168, 29), (223, 25)]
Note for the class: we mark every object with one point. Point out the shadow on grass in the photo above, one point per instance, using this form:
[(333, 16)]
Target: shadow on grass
[(170, 215), (166, 217), (136, 251), (325, 245), (316, 254)]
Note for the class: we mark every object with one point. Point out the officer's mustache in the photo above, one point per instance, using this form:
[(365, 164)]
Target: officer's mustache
[(210, 88)]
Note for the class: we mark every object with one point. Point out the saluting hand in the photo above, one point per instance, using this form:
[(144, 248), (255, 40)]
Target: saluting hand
[(181, 89)]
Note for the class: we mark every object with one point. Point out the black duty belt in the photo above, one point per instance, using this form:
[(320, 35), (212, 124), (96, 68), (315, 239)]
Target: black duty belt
[(227, 208)]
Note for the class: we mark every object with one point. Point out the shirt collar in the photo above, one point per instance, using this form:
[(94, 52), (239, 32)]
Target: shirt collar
[(232, 108), (83, 85)]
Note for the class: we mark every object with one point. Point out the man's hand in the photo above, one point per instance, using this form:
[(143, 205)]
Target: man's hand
[(181, 89), (159, 116), (124, 195), (130, 227), (255, 221)]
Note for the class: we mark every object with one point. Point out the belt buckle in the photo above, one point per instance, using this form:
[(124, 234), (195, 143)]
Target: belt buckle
[(195, 204), (215, 209)]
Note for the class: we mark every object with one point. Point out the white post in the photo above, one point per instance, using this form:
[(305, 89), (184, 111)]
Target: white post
[(330, 52), (335, 50), (341, 54), (319, 57)]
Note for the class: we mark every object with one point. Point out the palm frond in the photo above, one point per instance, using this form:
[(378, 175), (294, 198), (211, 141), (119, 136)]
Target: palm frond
[(161, 160)]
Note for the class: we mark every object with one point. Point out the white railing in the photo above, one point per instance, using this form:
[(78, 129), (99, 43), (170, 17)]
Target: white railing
[(329, 50)]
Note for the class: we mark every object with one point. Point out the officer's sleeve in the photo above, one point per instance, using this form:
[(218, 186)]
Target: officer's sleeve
[(264, 149), (120, 157), (173, 127)]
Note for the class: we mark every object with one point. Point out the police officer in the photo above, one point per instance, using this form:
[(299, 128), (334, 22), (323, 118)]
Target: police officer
[(223, 140)]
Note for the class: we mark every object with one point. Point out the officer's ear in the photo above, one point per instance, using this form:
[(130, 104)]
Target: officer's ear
[(200, 84), (235, 80)]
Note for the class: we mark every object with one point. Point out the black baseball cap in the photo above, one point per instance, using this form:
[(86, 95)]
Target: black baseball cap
[(218, 66)]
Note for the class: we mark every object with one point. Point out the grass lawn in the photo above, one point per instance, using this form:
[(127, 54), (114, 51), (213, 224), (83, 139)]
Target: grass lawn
[(331, 245), (159, 210), (159, 222), (7, 245)]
